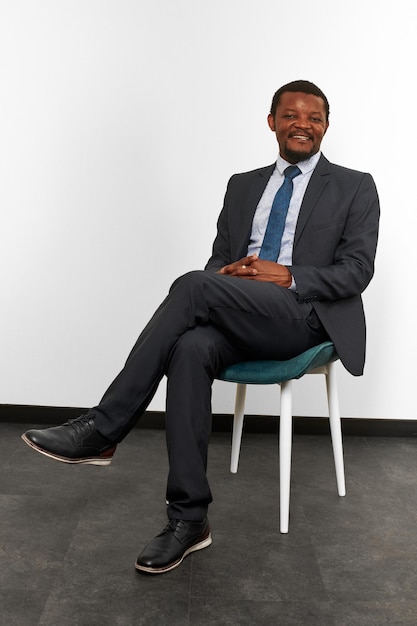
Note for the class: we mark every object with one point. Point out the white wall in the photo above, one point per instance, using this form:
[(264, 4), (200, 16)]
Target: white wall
[(119, 116)]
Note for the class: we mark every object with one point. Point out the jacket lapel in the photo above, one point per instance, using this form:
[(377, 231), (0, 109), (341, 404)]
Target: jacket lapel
[(251, 201), (315, 187)]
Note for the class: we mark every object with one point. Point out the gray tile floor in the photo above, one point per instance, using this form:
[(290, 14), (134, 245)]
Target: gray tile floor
[(69, 537)]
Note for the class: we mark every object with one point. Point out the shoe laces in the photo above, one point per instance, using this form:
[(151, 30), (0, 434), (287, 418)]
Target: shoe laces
[(172, 525), (80, 424)]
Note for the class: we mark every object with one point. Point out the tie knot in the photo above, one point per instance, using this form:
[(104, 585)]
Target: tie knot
[(292, 171)]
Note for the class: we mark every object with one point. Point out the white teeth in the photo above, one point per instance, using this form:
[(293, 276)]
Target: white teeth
[(301, 137)]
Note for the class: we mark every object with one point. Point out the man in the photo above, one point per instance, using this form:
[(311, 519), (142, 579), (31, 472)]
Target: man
[(294, 250)]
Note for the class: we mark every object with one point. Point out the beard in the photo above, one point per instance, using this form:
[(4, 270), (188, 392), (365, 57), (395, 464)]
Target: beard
[(295, 156)]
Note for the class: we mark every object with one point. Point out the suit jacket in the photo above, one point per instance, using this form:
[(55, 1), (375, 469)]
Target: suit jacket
[(334, 246)]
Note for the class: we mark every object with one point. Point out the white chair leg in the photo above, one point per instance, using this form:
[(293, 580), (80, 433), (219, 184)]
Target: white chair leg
[(335, 428), (285, 445), (237, 426)]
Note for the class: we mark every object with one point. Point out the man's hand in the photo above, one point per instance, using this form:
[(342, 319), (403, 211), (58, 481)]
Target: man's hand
[(253, 268)]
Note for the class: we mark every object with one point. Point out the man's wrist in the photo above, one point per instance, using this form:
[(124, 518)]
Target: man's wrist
[(293, 286)]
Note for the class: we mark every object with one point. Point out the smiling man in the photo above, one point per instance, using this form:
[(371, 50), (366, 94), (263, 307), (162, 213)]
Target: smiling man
[(299, 121), (294, 250)]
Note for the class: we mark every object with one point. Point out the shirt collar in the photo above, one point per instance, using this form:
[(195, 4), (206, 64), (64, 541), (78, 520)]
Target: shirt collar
[(305, 166)]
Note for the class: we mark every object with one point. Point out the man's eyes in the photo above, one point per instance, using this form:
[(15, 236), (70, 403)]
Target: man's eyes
[(314, 119)]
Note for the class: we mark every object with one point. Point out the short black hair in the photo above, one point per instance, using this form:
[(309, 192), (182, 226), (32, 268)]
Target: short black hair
[(304, 86)]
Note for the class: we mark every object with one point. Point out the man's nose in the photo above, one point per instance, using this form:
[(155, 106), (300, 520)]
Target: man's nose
[(303, 122)]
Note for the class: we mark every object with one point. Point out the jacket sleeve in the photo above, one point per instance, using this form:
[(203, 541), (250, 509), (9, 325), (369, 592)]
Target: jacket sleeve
[(221, 252), (344, 248)]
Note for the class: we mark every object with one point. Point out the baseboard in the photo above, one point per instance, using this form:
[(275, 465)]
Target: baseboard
[(24, 414)]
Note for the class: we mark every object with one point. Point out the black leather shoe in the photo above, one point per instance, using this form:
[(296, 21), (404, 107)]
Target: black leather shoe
[(76, 441), (172, 545)]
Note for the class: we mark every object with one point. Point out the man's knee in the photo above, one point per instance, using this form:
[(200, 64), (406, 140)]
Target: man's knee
[(199, 346), (190, 279), (201, 340)]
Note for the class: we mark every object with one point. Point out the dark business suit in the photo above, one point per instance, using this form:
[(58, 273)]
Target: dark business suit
[(210, 320), (334, 246)]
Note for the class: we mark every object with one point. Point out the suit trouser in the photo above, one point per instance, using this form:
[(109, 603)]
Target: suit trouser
[(206, 322)]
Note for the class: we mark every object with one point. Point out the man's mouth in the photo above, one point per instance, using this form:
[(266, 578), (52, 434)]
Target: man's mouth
[(300, 137)]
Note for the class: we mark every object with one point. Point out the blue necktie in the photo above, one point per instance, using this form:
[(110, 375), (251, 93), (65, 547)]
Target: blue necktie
[(271, 244)]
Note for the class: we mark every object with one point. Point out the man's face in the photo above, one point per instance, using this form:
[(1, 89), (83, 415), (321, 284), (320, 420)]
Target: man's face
[(299, 125)]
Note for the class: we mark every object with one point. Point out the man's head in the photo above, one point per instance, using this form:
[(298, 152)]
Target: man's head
[(299, 117)]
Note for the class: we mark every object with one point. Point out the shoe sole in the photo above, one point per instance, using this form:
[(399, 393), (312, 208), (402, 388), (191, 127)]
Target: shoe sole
[(63, 459), (198, 546)]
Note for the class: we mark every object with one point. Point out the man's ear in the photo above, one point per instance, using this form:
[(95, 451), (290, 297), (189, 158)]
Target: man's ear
[(271, 122)]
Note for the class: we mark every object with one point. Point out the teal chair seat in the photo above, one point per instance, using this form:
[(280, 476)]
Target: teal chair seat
[(317, 360), (271, 372)]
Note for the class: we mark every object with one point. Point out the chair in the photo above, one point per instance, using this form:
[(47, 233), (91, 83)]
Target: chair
[(318, 360)]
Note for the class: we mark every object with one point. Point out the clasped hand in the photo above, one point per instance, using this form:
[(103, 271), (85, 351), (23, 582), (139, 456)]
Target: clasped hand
[(253, 268)]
